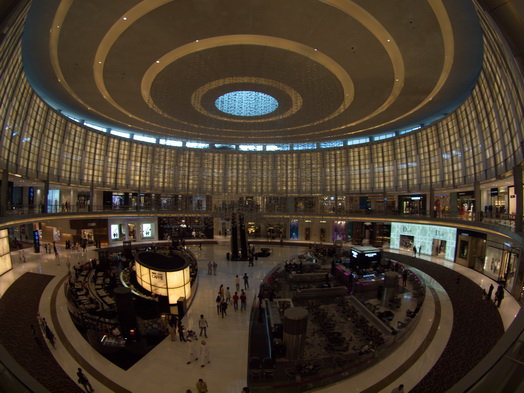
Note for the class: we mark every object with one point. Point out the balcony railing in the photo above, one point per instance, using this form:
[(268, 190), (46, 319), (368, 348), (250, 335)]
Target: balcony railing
[(506, 221)]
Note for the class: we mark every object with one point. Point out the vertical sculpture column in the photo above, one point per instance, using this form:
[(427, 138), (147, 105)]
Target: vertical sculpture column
[(243, 238), (390, 288), (519, 196), (126, 313), (4, 193), (234, 238), (295, 327)]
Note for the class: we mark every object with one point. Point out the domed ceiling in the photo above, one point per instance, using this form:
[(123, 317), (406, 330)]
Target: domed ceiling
[(253, 71)]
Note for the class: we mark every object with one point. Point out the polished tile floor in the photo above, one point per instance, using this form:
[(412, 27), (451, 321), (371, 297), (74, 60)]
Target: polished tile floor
[(164, 369)]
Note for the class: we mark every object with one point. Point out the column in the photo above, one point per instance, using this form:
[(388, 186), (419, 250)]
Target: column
[(91, 199), (431, 203), (478, 202), (44, 200), (4, 193), (295, 327), (517, 180)]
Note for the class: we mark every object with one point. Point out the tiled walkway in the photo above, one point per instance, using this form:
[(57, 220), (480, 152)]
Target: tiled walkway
[(165, 369)]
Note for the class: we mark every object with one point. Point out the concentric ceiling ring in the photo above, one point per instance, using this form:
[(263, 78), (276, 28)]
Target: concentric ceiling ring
[(392, 74), (196, 98), (263, 41)]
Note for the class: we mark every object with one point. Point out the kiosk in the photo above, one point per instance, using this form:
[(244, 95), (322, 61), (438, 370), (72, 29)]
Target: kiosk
[(364, 257), (165, 275)]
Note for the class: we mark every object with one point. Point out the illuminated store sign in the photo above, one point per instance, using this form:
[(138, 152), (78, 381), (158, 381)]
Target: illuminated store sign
[(174, 283), (115, 231)]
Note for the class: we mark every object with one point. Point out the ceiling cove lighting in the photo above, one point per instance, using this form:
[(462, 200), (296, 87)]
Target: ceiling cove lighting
[(246, 103)]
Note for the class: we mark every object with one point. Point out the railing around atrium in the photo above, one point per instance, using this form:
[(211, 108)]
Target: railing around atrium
[(503, 220)]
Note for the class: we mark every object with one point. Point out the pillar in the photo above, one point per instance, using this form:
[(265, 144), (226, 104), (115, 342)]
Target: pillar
[(126, 313), (4, 193), (519, 194), (44, 200), (478, 200), (295, 327), (390, 288), (431, 203), (91, 199)]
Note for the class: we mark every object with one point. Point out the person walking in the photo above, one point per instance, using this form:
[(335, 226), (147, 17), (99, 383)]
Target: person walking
[(49, 335), (214, 268), (499, 295), (221, 290), (35, 337), (243, 301), (490, 292), (227, 295), (210, 268), (202, 324), (201, 386), (82, 380), (235, 301), (204, 354), (246, 281), (404, 277), (218, 302), (398, 389), (414, 251), (171, 328), (191, 351), (223, 308), (181, 331), (237, 283)]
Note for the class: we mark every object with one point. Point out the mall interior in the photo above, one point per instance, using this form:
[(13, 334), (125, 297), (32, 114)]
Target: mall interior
[(292, 142)]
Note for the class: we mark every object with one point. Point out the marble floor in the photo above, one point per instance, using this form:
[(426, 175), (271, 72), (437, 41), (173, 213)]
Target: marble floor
[(165, 368)]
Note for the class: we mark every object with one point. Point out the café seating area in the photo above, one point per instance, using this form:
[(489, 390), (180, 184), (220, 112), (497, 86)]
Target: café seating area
[(345, 334)]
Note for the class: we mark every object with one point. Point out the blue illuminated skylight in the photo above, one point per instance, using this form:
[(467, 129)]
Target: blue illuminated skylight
[(246, 103)]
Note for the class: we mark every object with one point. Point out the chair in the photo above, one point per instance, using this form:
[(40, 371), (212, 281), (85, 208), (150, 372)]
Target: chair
[(255, 372), (268, 372), (254, 362), (268, 367)]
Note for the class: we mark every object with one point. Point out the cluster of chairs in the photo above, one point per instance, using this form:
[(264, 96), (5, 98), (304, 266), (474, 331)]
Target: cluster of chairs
[(363, 329), (261, 368), (336, 340)]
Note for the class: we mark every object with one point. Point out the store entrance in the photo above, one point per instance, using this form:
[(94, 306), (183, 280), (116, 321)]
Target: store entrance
[(131, 231), (407, 242), (438, 247)]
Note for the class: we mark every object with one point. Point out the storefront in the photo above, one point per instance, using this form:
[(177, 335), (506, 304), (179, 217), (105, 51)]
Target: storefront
[(305, 204), (500, 263), (293, 230), (331, 204), (340, 231), (253, 230), (404, 236), (471, 248), (412, 204), (466, 204), (185, 227), (132, 229), (5, 255), (441, 204)]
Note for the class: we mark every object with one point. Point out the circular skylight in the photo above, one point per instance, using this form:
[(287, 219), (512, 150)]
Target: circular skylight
[(246, 103)]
